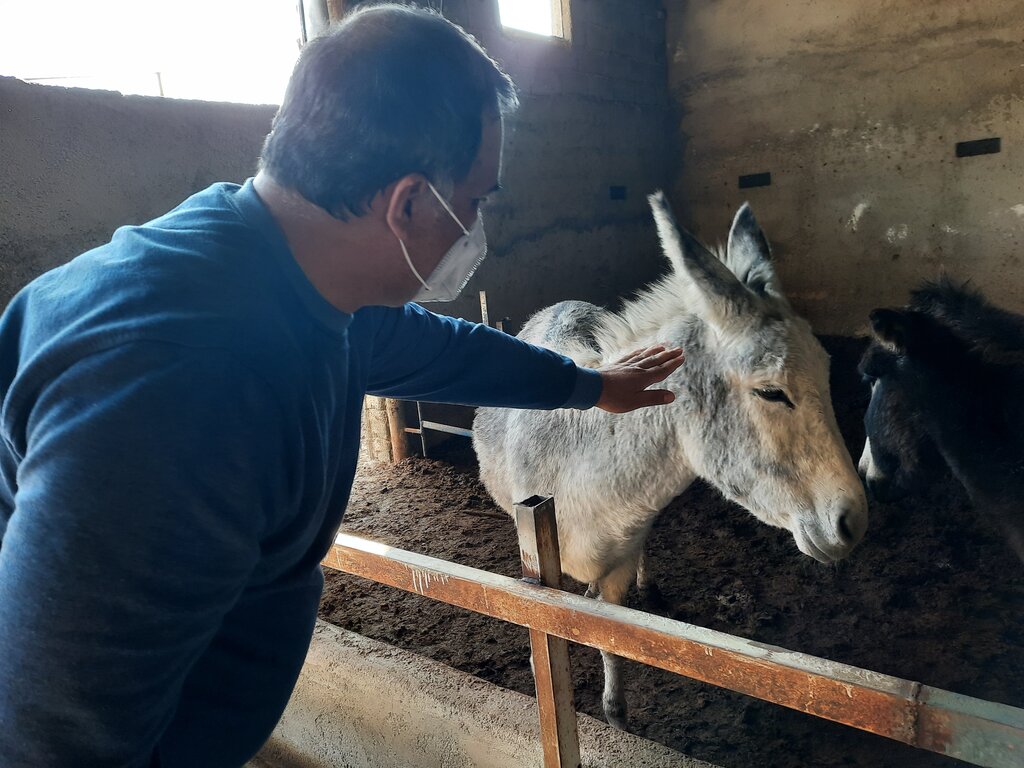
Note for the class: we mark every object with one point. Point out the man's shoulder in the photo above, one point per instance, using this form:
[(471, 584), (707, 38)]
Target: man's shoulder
[(201, 276)]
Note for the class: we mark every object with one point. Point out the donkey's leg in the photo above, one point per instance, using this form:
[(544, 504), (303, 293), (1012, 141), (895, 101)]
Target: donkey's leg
[(614, 587), (650, 595), (643, 578)]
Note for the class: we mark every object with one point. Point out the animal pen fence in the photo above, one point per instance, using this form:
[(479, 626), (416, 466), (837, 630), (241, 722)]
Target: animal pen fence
[(969, 729)]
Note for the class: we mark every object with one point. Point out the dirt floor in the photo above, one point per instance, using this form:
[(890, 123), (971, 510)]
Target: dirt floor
[(932, 594)]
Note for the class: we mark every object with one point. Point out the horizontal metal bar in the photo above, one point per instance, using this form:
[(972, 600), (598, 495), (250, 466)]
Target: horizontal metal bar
[(446, 428), (977, 731)]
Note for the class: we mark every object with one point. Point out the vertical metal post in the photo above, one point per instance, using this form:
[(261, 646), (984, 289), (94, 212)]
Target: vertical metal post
[(538, 549), (483, 308), (423, 432)]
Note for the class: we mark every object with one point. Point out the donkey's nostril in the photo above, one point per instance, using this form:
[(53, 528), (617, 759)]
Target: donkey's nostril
[(852, 524), (845, 532)]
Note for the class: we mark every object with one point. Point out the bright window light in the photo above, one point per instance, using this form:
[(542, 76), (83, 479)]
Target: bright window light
[(537, 16), (217, 50)]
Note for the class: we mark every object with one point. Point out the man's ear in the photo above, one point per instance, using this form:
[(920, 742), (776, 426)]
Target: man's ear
[(401, 202), (893, 328)]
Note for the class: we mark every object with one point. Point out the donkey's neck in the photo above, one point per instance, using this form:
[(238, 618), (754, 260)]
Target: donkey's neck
[(978, 427)]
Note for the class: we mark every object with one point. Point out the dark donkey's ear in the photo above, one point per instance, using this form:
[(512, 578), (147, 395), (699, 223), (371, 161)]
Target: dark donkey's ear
[(893, 328)]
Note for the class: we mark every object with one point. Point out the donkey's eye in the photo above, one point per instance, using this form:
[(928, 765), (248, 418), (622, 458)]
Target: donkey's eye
[(773, 395)]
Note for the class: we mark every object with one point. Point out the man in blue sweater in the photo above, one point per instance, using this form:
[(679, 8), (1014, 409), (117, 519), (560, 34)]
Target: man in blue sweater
[(181, 405)]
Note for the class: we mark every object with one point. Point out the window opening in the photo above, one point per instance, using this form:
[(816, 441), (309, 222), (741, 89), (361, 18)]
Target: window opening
[(228, 50), (548, 18)]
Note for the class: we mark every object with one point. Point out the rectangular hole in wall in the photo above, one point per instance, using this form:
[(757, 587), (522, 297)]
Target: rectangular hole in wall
[(979, 147), (616, 193), (548, 18), (752, 180)]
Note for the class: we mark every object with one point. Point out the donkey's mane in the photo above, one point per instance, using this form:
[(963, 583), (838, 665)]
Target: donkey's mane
[(646, 312), (994, 333), (669, 299), (642, 315)]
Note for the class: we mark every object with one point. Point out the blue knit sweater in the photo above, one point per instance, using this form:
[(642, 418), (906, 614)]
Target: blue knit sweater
[(180, 425)]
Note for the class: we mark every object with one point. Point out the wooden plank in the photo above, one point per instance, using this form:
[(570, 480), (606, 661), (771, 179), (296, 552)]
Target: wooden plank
[(977, 731), (542, 564)]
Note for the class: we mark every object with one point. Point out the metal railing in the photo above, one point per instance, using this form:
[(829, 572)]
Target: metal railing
[(427, 425), (973, 730)]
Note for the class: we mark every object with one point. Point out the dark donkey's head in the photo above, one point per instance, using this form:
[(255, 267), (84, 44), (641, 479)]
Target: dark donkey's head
[(942, 373), (900, 456)]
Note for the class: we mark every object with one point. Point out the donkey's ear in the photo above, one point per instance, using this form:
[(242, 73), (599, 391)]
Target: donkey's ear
[(750, 256), (893, 328), (721, 297)]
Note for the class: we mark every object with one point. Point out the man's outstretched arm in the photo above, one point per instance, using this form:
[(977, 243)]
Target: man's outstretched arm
[(418, 355)]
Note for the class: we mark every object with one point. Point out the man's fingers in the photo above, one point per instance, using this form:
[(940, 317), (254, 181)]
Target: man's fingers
[(638, 354), (659, 396), (661, 371), (650, 397), (628, 357), (660, 358), (670, 365), (635, 372), (649, 357)]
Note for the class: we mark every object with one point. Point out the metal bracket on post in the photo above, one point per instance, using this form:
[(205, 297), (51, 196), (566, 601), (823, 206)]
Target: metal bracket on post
[(538, 549)]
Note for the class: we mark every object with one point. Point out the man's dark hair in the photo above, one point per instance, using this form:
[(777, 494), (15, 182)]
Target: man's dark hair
[(392, 90)]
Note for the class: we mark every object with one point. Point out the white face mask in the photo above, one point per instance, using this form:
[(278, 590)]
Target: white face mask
[(458, 265)]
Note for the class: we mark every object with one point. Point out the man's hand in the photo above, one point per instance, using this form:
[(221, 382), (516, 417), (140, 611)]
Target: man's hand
[(626, 380)]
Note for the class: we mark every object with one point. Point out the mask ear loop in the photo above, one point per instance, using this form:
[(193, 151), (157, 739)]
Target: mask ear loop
[(444, 204), (409, 262)]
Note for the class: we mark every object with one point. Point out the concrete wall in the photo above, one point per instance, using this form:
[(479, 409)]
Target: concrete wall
[(595, 113), (77, 164), (854, 108), (363, 704)]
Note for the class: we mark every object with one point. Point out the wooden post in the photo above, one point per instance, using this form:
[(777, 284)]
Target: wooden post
[(376, 441), (538, 549), (396, 425)]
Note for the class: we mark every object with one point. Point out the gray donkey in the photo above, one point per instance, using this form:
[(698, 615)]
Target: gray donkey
[(752, 416)]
